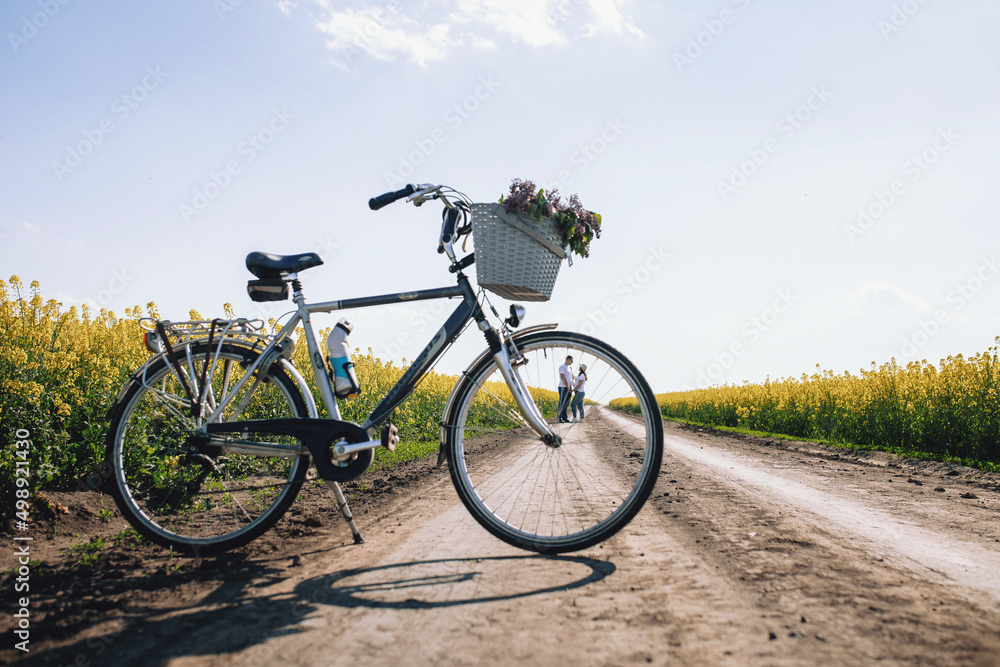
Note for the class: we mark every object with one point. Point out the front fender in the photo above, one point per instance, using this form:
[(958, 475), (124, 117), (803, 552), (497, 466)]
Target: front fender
[(465, 376)]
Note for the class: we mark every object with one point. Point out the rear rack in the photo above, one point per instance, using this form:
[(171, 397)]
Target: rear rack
[(184, 333), (175, 341)]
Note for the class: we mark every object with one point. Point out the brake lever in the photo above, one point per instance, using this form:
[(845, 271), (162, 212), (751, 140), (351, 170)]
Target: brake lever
[(422, 193), (418, 202)]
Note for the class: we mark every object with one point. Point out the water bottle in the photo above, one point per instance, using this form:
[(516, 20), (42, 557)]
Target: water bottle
[(345, 382)]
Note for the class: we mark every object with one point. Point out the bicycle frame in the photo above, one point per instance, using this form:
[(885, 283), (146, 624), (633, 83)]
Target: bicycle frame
[(467, 311)]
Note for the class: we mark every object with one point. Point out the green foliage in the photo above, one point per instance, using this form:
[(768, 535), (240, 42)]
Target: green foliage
[(88, 552), (127, 538), (577, 225)]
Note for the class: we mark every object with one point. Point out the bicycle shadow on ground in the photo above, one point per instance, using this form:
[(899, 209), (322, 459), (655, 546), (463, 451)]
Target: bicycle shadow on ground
[(234, 616), (231, 615), (450, 582)]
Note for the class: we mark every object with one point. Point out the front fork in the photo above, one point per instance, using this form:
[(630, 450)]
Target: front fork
[(525, 403)]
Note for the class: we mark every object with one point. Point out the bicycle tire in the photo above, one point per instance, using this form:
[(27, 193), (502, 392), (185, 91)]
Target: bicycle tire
[(554, 499), (196, 506)]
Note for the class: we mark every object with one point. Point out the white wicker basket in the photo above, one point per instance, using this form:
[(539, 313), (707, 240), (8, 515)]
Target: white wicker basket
[(516, 257)]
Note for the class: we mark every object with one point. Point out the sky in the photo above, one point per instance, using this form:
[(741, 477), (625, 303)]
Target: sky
[(782, 185)]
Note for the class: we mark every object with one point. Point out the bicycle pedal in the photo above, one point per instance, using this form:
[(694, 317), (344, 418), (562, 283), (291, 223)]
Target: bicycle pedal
[(390, 437)]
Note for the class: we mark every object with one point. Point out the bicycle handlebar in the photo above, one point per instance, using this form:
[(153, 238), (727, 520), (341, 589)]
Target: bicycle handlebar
[(375, 203), (456, 207)]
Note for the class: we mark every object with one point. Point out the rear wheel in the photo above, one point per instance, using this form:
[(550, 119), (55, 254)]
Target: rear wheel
[(175, 487), (562, 498)]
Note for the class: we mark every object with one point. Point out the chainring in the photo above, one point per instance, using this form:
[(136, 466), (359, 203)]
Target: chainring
[(329, 468)]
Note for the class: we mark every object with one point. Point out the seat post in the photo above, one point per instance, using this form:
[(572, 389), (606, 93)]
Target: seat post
[(297, 296)]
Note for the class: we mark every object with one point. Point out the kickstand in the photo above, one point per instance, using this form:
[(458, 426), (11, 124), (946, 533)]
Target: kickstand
[(345, 510)]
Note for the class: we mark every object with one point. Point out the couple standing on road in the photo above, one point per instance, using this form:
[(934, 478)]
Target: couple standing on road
[(571, 386)]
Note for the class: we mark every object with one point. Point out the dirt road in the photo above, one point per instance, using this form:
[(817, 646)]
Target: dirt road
[(751, 552)]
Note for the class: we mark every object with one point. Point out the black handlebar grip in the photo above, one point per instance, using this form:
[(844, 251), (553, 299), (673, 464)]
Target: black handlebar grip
[(375, 203)]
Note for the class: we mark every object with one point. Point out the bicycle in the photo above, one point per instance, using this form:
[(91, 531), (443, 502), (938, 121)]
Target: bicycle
[(212, 438)]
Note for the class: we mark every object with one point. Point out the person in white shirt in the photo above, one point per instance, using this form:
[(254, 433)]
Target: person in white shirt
[(578, 383), (566, 383)]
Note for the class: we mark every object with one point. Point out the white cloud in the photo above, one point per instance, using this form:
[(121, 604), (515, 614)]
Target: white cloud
[(52, 237), (383, 34), (387, 33), (883, 296), (610, 19), (286, 6), (520, 20)]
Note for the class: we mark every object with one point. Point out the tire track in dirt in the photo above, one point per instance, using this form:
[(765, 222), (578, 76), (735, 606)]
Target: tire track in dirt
[(826, 595), (961, 562)]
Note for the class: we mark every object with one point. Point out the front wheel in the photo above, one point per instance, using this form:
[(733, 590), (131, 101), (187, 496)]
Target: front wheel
[(554, 499)]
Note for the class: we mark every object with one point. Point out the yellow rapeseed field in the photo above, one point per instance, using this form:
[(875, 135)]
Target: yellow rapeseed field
[(59, 373), (951, 410)]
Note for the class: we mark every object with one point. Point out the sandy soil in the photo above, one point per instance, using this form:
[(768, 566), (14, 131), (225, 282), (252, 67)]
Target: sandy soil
[(750, 552)]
